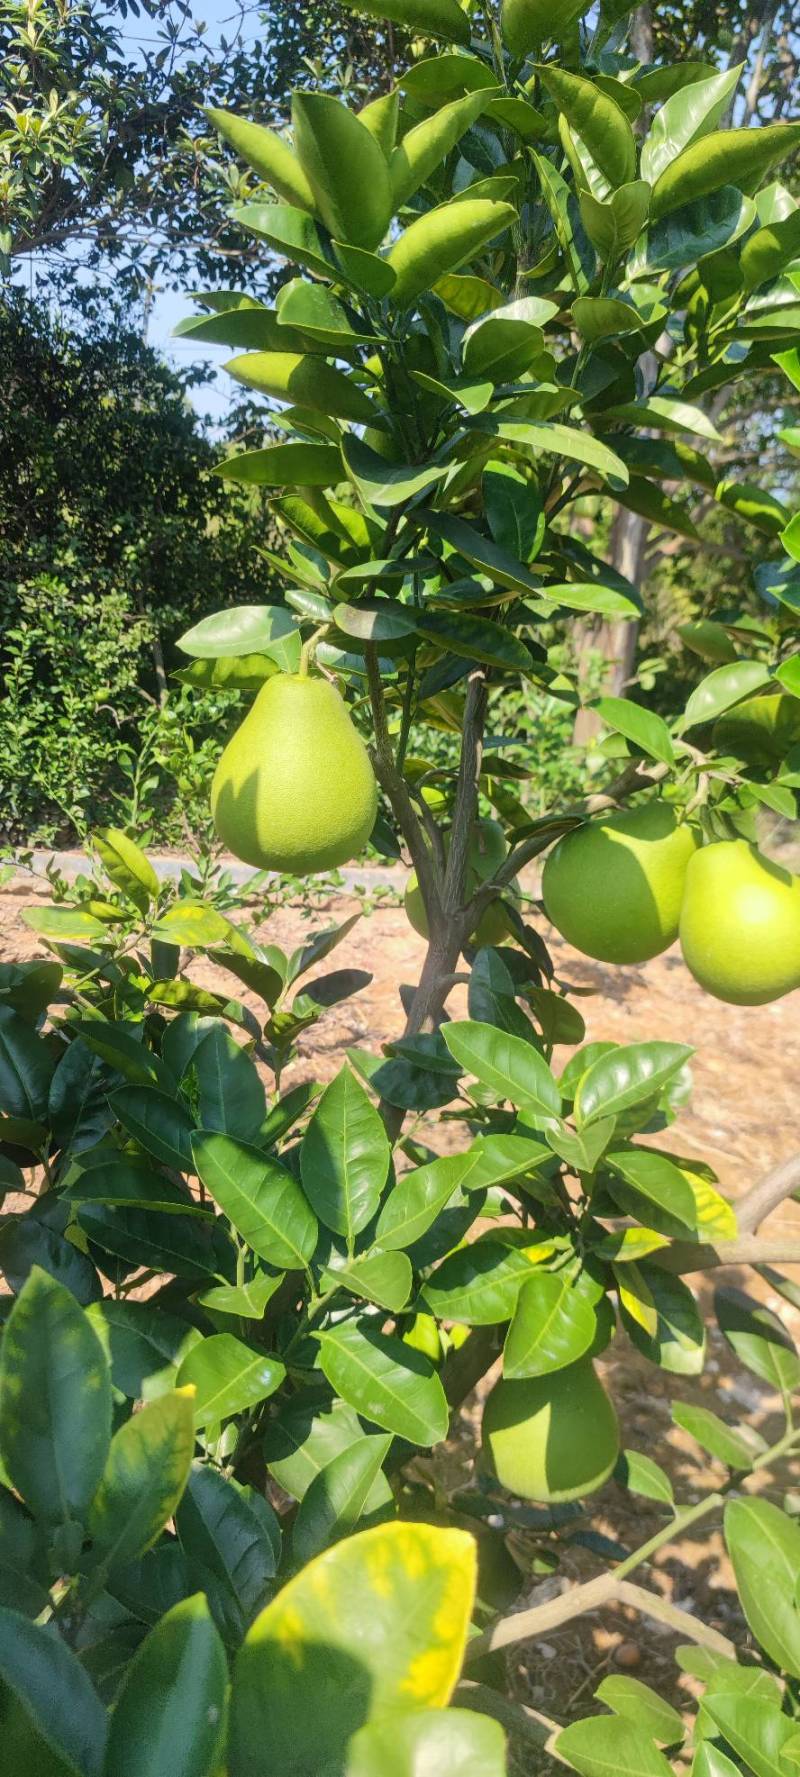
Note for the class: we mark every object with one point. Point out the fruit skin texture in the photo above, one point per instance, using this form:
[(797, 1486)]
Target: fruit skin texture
[(294, 790), (740, 924), (551, 1438), (614, 887), (487, 851)]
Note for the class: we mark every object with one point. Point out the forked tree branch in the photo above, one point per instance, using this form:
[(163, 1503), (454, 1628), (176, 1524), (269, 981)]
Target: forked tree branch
[(757, 1203), (396, 788)]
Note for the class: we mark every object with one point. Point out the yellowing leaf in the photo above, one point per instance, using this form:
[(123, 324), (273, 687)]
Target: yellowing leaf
[(377, 1622)]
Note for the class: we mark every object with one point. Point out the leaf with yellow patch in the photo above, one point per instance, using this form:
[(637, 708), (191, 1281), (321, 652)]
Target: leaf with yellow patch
[(377, 1622)]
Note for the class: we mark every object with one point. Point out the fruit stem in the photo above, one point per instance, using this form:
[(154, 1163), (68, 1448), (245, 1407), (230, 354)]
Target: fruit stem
[(308, 649)]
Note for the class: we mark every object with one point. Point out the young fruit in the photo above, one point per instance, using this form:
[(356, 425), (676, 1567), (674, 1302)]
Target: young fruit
[(487, 851), (294, 790), (551, 1438), (614, 887), (740, 924)]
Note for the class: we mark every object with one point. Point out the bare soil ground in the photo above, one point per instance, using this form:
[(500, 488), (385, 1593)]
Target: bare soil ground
[(742, 1120)]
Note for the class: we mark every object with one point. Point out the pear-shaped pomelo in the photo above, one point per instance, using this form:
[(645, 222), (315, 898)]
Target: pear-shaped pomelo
[(740, 924), (760, 731), (488, 849), (294, 790), (614, 887), (551, 1438)]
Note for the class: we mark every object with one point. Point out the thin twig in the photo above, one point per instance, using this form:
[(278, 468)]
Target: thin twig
[(757, 1203)]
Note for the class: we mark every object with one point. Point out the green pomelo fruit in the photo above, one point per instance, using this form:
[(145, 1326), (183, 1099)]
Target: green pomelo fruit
[(760, 731), (614, 887), (551, 1438), (294, 790), (488, 849), (740, 924)]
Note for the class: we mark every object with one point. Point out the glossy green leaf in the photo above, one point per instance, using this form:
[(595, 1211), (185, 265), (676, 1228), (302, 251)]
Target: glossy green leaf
[(639, 1704), (695, 229), (688, 115), (514, 511), (724, 687), (764, 1546), (626, 1076), (384, 483), (507, 1065), (66, 1720), (725, 157), (284, 465), (26, 1068), (442, 241), (408, 1744), (424, 147), (645, 728), (127, 866), (644, 1477), (161, 1125), (759, 1338), (679, 1341), (658, 1180), (724, 1442), (305, 380), (475, 638), (55, 1401), (336, 1499), (418, 1198), (223, 1526), (553, 1326), (481, 551), (182, 1658), (147, 1470), (381, 1277), (479, 1284), (228, 1377), (344, 1158), (611, 1742), (527, 23), (565, 441), (614, 225), (303, 1436), (755, 1729), (309, 1677), (142, 1341), (227, 1091), (243, 629), (389, 1383), (596, 118)]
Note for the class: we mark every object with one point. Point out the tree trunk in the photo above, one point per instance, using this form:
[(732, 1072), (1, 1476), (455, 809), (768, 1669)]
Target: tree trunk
[(616, 642)]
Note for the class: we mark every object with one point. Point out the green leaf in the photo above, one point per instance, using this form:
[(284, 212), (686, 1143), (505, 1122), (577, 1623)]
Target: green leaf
[(668, 413), (759, 1339), (480, 1284), (385, 620), (305, 1434), (427, 144), (309, 1677), (526, 24), (645, 728), (424, 18), (244, 629), (161, 1125), (679, 1341), (417, 1199), (596, 118), (248, 1300), (756, 1730), (475, 638), (442, 241), (123, 1047), (614, 226), (382, 483), (146, 1472), (564, 441), (514, 511), (267, 153), (345, 167), (344, 1159), (66, 1720), (382, 1277), (725, 1442), (26, 1069), (480, 551), (508, 1066), (642, 1476), (604, 317), (658, 1180), (694, 230), (55, 1402), (388, 1382), (553, 1326), (141, 1340), (260, 1198), (284, 465), (724, 687), (183, 1657), (228, 1377), (62, 924), (456, 1741), (639, 1704), (725, 157), (688, 115), (626, 1076), (337, 1497), (227, 1091), (764, 1546), (128, 867), (611, 1743), (223, 1526), (133, 1183), (604, 601)]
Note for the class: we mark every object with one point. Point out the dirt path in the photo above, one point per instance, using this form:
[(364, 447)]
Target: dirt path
[(741, 1119)]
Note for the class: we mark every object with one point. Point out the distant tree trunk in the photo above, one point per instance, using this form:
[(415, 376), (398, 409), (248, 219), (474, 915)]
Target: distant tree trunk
[(617, 641)]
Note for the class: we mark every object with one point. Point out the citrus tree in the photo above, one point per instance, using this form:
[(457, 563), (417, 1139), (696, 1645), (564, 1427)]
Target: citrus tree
[(518, 280)]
